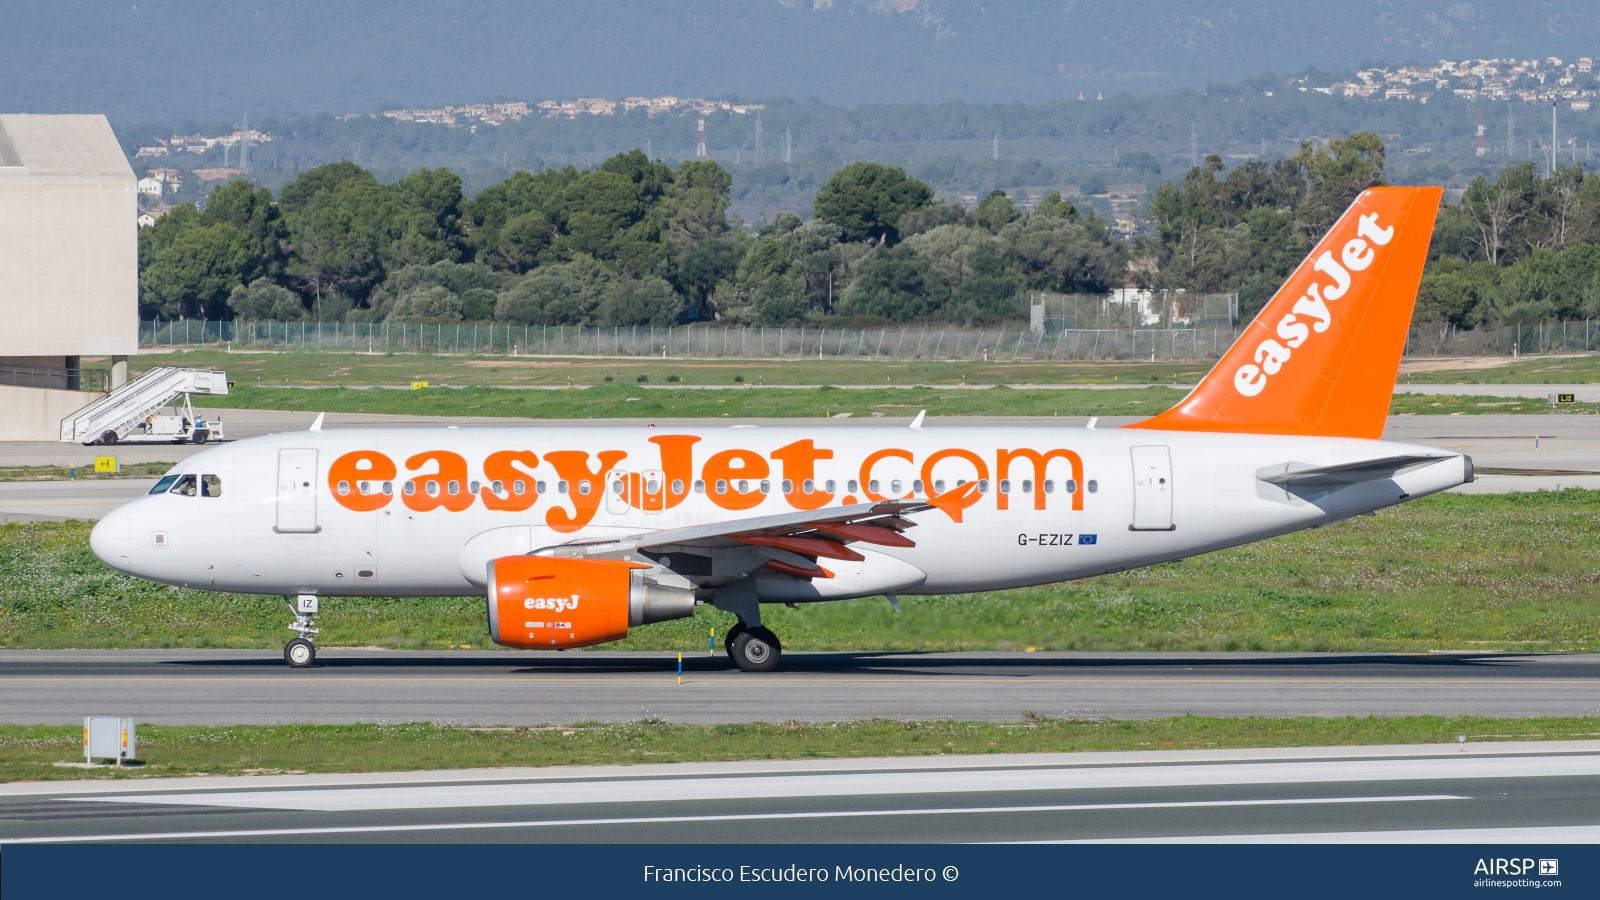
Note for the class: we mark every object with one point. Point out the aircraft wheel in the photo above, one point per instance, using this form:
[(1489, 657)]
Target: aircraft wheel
[(756, 650), (731, 636), (299, 653)]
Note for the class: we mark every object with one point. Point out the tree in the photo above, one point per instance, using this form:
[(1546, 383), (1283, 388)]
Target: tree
[(897, 283), (867, 200), (930, 217), (1053, 207), (641, 301), (563, 294), (997, 211), (264, 301), (426, 303)]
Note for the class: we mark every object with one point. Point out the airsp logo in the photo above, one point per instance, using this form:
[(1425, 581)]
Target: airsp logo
[(556, 603), (1271, 356)]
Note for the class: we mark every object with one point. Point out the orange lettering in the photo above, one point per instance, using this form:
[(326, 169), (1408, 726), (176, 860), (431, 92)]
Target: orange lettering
[(1002, 469), (800, 466), (720, 468), (430, 492), (866, 471), (573, 468), (964, 500), (498, 468), (355, 469), (677, 465)]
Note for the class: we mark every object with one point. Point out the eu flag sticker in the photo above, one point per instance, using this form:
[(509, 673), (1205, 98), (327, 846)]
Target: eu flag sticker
[(1088, 539)]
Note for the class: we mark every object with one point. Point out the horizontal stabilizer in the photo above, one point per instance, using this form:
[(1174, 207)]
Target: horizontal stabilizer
[(1347, 473)]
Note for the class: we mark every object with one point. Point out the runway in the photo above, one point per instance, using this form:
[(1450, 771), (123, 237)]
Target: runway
[(226, 687), (1475, 793), (1513, 452)]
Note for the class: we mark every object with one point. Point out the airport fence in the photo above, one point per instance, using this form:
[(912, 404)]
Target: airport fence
[(712, 341), (694, 341)]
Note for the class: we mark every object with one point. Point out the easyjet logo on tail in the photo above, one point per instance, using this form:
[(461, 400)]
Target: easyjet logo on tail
[(1312, 313)]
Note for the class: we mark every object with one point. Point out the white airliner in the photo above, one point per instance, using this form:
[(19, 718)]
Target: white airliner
[(575, 535)]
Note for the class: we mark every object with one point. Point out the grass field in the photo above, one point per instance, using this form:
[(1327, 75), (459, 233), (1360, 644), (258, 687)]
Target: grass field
[(332, 368), (30, 752), (80, 473), (634, 402), (1448, 572), (1528, 370)]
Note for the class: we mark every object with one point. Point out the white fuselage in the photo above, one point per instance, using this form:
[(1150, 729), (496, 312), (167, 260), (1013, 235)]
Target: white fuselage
[(277, 523)]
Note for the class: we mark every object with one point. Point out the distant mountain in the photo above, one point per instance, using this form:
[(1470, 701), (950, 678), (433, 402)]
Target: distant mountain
[(161, 60)]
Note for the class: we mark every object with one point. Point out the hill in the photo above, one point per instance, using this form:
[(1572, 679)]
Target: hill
[(158, 58)]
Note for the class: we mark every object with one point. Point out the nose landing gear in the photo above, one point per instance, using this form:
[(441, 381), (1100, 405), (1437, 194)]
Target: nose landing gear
[(301, 652)]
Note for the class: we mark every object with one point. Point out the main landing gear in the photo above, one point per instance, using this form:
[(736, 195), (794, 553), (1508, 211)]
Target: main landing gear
[(300, 653), (753, 649)]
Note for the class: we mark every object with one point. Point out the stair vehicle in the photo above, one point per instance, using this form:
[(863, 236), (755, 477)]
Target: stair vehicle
[(134, 413)]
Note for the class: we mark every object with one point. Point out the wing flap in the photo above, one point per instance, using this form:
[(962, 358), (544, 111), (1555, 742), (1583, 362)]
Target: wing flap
[(874, 523)]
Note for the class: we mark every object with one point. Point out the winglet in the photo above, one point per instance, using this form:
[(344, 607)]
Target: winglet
[(1322, 355), (317, 425), (917, 422)]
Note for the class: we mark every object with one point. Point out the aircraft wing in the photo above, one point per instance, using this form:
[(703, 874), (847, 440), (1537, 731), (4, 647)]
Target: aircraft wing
[(1349, 473), (790, 542)]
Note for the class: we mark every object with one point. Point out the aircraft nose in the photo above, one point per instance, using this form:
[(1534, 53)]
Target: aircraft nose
[(109, 539)]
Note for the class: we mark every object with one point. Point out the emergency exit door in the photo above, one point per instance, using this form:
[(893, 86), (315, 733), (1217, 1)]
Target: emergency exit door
[(297, 492), (1152, 489)]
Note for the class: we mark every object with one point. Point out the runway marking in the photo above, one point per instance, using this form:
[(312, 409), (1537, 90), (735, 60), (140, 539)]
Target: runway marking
[(872, 784), (743, 817), (1535, 834)]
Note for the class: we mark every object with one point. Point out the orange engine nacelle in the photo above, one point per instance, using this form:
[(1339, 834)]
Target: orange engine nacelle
[(543, 602)]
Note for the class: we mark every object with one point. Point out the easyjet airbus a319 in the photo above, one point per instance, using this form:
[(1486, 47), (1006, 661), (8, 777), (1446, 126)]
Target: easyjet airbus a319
[(576, 535)]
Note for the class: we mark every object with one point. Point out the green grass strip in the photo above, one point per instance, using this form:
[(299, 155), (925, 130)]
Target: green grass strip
[(31, 752), (1513, 572)]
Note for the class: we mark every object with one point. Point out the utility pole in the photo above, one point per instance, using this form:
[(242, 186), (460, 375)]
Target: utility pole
[(788, 146), (1194, 156), (1553, 137), (700, 138), (758, 137), (244, 145)]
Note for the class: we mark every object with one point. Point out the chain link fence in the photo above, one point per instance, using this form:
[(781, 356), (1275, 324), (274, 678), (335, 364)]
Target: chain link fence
[(713, 341), (692, 341)]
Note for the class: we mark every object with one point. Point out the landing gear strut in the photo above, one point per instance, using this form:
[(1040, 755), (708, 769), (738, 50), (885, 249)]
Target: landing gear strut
[(301, 652)]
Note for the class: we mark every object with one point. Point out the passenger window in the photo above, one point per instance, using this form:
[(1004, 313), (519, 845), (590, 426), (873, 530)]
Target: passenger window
[(164, 484), (185, 486), (210, 486)]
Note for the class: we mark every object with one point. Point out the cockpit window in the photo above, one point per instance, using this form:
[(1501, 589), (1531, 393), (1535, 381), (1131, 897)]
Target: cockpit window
[(210, 486), (162, 485), (185, 486)]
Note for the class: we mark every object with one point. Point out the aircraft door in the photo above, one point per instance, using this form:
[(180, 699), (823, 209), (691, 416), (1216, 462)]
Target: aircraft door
[(653, 490), (1152, 489), (297, 492), (618, 490)]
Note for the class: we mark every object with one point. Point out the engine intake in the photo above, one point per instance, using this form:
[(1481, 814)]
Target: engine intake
[(540, 602)]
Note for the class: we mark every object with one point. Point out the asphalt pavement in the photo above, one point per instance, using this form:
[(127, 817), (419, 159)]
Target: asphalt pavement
[(226, 687), (1470, 793)]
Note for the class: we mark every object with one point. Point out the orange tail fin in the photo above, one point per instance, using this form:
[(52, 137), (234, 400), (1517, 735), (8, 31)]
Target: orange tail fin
[(1322, 356)]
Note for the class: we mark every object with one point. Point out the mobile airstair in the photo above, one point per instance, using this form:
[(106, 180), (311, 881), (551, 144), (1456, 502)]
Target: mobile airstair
[(129, 413)]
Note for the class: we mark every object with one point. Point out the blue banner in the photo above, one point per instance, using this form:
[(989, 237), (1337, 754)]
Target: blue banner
[(433, 871)]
